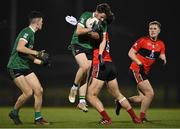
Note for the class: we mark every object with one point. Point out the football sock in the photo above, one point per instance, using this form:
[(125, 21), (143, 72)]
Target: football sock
[(15, 111), (132, 113), (37, 115), (105, 115), (82, 99), (75, 86), (142, 115)]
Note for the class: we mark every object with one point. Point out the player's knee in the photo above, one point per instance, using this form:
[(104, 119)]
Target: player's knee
[(38, 91), (85, 68), (150, 94), (28, 94), (91, 94)]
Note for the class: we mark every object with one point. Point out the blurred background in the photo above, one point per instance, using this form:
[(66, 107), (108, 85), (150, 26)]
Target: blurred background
[(132, 18)]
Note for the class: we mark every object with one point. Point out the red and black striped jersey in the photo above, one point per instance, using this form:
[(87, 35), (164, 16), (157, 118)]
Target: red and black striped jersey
[(147, 52)]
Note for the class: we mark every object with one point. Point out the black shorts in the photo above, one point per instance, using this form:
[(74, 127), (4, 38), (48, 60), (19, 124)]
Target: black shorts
[(77, 49), (105, 73), (14, 73), (136, 77)]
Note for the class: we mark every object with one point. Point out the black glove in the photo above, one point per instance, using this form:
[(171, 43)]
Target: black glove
[(96, 26), (101, 61), (44, 57), (46, 62), (141, 69)]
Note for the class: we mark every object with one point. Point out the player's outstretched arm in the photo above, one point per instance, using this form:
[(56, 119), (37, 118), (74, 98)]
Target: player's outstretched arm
[(102, 44), (132, 54)]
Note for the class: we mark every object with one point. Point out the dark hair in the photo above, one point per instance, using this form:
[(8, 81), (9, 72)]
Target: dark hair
[(155, 23), (110, 18), (104, 8), (34, 14)]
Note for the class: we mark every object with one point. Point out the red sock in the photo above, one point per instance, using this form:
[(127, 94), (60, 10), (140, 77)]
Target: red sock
[(104, 115), (132, 113), (142, 115)]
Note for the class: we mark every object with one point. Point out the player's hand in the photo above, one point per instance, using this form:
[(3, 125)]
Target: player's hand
[(164, 61), (42, 55), (45, 58), (96, 26), (46, 63), (141, 69), (101, 61)]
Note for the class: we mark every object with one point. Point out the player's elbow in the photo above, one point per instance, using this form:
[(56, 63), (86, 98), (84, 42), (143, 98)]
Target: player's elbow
[(19, 48), (130, 54)]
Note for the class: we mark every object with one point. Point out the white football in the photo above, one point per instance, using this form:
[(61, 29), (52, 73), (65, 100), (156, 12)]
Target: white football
[(90, 22)]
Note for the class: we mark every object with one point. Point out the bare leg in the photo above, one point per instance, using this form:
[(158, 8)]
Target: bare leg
[(136, 99), (146, 88), (82, 61), (22, 84), (114, 90), (93, 91), (38, 90)]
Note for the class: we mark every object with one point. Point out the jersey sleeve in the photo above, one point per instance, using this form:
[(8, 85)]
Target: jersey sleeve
[(138, 44), (82, 19), (24, 35)]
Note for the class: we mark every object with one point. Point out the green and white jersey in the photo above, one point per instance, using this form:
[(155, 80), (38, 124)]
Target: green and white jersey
[(19, 60), (83, 40)]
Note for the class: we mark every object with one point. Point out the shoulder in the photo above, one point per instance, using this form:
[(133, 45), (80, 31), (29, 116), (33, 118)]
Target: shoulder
[(142, 39), (25, 33), (26, 30), (160, 42), (87, 13)]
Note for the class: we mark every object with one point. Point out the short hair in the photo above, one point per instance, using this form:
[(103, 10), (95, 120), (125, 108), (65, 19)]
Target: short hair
[(34, 14), (104, 8), (155, 23)]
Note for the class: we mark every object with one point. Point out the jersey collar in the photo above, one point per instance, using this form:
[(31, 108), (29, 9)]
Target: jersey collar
[(93, 15), (32, 29)]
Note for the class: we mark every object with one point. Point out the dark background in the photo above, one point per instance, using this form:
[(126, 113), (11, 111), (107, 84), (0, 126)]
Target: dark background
[(132, 18)]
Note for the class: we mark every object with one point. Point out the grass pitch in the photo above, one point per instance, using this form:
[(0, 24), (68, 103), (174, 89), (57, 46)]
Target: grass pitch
[(74, 118)]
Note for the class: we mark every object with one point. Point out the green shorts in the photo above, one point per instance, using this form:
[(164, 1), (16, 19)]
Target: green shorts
[(77, 49), (14, 73)]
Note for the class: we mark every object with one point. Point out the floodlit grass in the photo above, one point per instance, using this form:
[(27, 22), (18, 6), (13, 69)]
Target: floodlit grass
[(74, 118)]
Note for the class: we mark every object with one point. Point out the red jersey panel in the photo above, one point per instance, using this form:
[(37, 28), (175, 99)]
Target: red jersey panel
[(105, 54), (147, 52)]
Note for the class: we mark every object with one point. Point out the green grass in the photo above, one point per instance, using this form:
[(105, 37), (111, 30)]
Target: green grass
[(74, 118)]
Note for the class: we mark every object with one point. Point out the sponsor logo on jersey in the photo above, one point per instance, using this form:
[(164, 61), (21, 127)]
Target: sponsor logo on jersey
[(25, 35), (82, 20)]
